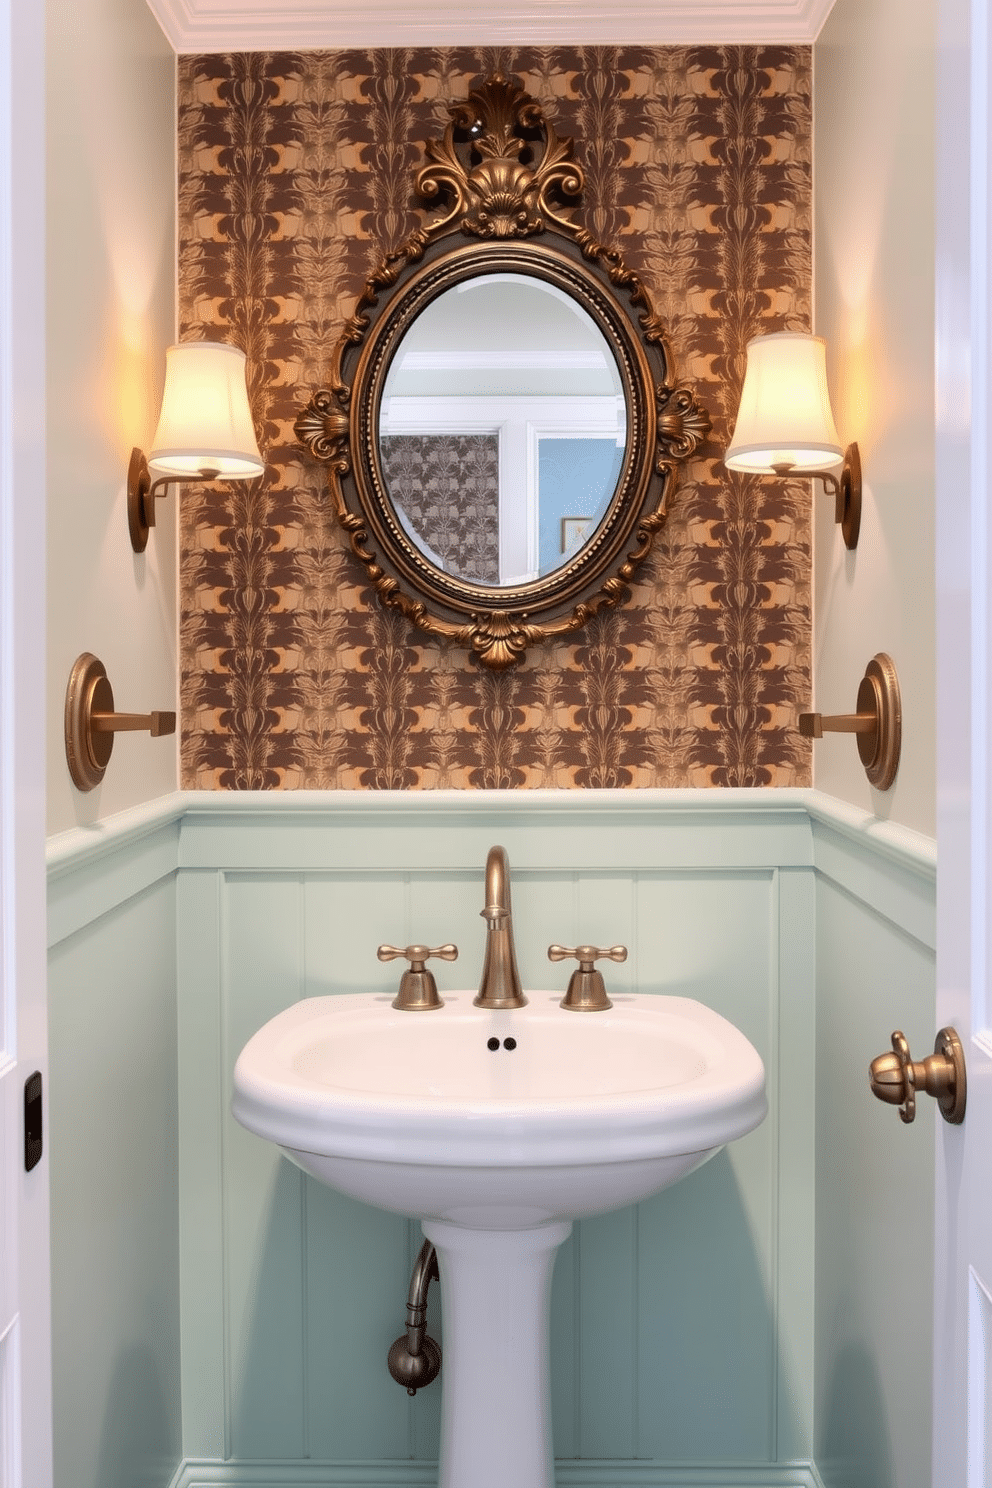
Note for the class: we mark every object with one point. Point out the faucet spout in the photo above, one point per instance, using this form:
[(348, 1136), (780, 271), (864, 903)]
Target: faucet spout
[(500, 985)]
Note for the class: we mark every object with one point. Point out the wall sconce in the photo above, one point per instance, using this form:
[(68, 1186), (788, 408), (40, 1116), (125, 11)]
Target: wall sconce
[(205, 430), (785, 425)]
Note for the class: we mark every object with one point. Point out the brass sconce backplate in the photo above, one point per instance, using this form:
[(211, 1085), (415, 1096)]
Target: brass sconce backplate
[(138, 507), (879, 696), (848, 509)]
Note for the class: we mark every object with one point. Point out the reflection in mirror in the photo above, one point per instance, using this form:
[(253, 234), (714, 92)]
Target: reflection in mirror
[(502, 429)]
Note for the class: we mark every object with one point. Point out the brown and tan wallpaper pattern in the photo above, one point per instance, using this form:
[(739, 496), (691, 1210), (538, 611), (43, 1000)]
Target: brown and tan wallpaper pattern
[(295, 175)]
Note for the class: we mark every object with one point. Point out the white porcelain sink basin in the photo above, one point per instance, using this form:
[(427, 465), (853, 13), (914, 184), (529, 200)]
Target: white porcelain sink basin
[(497, 1128), (416, 1113)]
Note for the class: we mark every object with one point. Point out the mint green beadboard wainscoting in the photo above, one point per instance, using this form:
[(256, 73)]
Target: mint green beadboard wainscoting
[(113, 1144), (875, 971), (701, 1340)]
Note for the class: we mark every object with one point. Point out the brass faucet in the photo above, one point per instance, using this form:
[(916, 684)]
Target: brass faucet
[(500, 985)]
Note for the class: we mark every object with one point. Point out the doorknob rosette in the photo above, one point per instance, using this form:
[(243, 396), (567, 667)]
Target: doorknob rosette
[(895, 1077)]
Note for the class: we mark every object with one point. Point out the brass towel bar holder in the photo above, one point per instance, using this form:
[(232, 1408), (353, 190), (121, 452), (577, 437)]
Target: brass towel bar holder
[(91, 722), (877, 723)]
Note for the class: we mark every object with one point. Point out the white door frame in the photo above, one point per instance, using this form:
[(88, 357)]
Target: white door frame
[(25, 1310), (964, 681), (963, 1248)]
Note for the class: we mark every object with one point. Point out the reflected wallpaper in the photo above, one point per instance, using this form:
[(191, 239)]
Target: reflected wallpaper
[(296, 174)]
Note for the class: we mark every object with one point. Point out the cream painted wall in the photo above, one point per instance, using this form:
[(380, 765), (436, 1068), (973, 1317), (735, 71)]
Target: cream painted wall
[(111, 313), (874, 278)]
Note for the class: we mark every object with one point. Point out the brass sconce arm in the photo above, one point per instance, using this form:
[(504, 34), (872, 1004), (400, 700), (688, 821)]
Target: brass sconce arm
[(830, 481), (815, 725), (845, 488), (157, 724), (142, 492)]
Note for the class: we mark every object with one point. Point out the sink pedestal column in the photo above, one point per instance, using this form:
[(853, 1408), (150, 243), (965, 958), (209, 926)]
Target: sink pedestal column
[(495, 1380)]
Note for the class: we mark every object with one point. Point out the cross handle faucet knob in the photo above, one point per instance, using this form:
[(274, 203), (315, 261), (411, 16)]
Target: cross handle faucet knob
[(587, 954), (586, 989), (418, 990)]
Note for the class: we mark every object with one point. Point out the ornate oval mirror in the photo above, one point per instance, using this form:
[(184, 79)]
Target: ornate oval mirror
[(501, 428)]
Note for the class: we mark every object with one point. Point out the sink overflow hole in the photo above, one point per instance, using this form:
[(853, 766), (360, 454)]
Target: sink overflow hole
[(493, 1044)]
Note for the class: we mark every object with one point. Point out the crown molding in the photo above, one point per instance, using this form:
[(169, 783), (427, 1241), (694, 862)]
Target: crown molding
[(296, 25)]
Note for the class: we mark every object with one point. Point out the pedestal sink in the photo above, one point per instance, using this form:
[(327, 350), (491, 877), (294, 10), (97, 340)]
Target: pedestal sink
[(496, 1129)]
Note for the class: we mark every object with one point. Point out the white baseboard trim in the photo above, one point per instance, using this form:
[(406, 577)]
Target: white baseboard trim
[(424, 1475)]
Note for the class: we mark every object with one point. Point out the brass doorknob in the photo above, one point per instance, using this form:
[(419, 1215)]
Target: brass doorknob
[(895, 1077)]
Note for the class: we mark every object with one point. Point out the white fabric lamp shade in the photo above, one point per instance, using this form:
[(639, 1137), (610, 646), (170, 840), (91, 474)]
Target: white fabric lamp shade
[(785, 416), (205, 423)]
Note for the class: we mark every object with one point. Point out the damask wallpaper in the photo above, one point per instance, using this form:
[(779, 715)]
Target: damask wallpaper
[(295, 176), (447, 486)]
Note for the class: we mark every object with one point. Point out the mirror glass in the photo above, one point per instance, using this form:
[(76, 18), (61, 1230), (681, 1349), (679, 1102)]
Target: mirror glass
[(502, 429)]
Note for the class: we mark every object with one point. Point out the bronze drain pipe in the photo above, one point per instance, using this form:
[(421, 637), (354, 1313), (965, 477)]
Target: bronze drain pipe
[(415, 1359)]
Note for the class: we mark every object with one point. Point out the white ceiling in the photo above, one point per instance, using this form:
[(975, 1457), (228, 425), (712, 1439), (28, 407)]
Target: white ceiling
[(264, 25)]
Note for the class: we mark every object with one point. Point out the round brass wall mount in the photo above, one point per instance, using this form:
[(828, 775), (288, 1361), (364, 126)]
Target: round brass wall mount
[(877, 723), (880, 699), (91, 722)]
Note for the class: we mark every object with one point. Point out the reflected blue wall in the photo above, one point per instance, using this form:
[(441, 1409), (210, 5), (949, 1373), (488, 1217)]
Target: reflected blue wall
[(576, 478)]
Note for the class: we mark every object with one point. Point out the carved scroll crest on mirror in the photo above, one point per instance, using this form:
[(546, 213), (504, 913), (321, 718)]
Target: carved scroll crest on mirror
[(422, 388)]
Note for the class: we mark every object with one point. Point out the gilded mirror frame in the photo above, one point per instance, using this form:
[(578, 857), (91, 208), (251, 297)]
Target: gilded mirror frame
[(506, 186)]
